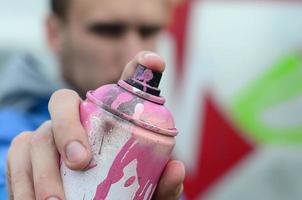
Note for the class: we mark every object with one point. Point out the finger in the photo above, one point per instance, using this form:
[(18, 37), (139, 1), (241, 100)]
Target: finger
[(45, 165), (69, 134), (146, 58), (170, 186), (19, 173)]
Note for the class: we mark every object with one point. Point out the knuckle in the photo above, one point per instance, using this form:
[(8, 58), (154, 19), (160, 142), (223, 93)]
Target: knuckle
[(61, 126), (23, 195), (22, 138), (67, 130), (45, 186), (41, 183), (142, 53), (40, 138), (19, 177), (47, 124), (14, 149), (19, 183), (59, 95), (63, 93)]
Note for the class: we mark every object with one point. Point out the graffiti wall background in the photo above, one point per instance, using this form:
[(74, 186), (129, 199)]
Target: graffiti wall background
[(236, 91)]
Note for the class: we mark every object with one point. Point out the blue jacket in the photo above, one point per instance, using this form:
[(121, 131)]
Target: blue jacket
[(24, 95)]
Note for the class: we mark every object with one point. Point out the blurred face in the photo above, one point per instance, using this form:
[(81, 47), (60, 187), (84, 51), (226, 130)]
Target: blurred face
[(100, 36)]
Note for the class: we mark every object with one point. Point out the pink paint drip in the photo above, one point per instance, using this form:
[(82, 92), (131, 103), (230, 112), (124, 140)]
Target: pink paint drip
[(130, 181), (148, 170), (121, 98)]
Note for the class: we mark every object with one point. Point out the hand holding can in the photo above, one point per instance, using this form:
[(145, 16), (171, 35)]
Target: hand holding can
[(131, 135)]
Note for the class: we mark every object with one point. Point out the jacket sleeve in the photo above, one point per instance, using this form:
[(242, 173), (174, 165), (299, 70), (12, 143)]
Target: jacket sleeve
[(12, 122)]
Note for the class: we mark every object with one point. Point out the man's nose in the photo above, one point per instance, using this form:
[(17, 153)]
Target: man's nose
[(133, 44)]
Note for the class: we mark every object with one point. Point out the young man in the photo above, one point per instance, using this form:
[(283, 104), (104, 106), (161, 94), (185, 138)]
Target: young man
[(92, 39)]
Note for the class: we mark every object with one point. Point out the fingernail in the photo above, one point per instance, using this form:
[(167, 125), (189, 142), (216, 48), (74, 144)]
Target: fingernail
[(53, 198), (75, 152), (151, 55), (179, 190)]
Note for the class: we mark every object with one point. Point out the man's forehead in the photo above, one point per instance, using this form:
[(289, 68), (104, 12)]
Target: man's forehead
[(123, 9)]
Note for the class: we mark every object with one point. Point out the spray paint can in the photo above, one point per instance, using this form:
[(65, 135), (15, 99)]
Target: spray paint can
[(131, 135)]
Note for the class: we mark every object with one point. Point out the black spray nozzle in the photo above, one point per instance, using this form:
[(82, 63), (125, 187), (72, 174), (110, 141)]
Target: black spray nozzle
[(146, 80)]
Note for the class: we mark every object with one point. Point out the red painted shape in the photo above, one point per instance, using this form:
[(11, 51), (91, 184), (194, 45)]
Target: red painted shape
[(178, 29), (221, 148)]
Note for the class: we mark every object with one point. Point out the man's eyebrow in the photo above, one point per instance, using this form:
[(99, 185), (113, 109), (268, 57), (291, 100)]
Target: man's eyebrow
[(95, 23)]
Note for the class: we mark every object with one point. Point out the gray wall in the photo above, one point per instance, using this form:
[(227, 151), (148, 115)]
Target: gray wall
[(22, 30)]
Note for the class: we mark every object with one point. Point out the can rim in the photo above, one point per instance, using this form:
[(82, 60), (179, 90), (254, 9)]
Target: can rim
[(156, 99), (142, 124)]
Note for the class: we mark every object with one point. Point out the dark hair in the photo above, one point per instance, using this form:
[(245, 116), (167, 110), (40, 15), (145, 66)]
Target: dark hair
[(59, 7)]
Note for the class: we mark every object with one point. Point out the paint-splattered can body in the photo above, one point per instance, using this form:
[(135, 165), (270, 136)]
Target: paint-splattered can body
[(131, 134)]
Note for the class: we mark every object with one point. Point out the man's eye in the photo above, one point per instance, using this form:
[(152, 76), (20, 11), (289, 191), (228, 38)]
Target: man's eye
[(149, 31), (113, 30)]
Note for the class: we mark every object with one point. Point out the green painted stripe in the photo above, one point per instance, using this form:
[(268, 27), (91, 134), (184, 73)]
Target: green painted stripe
[(279, 84)]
